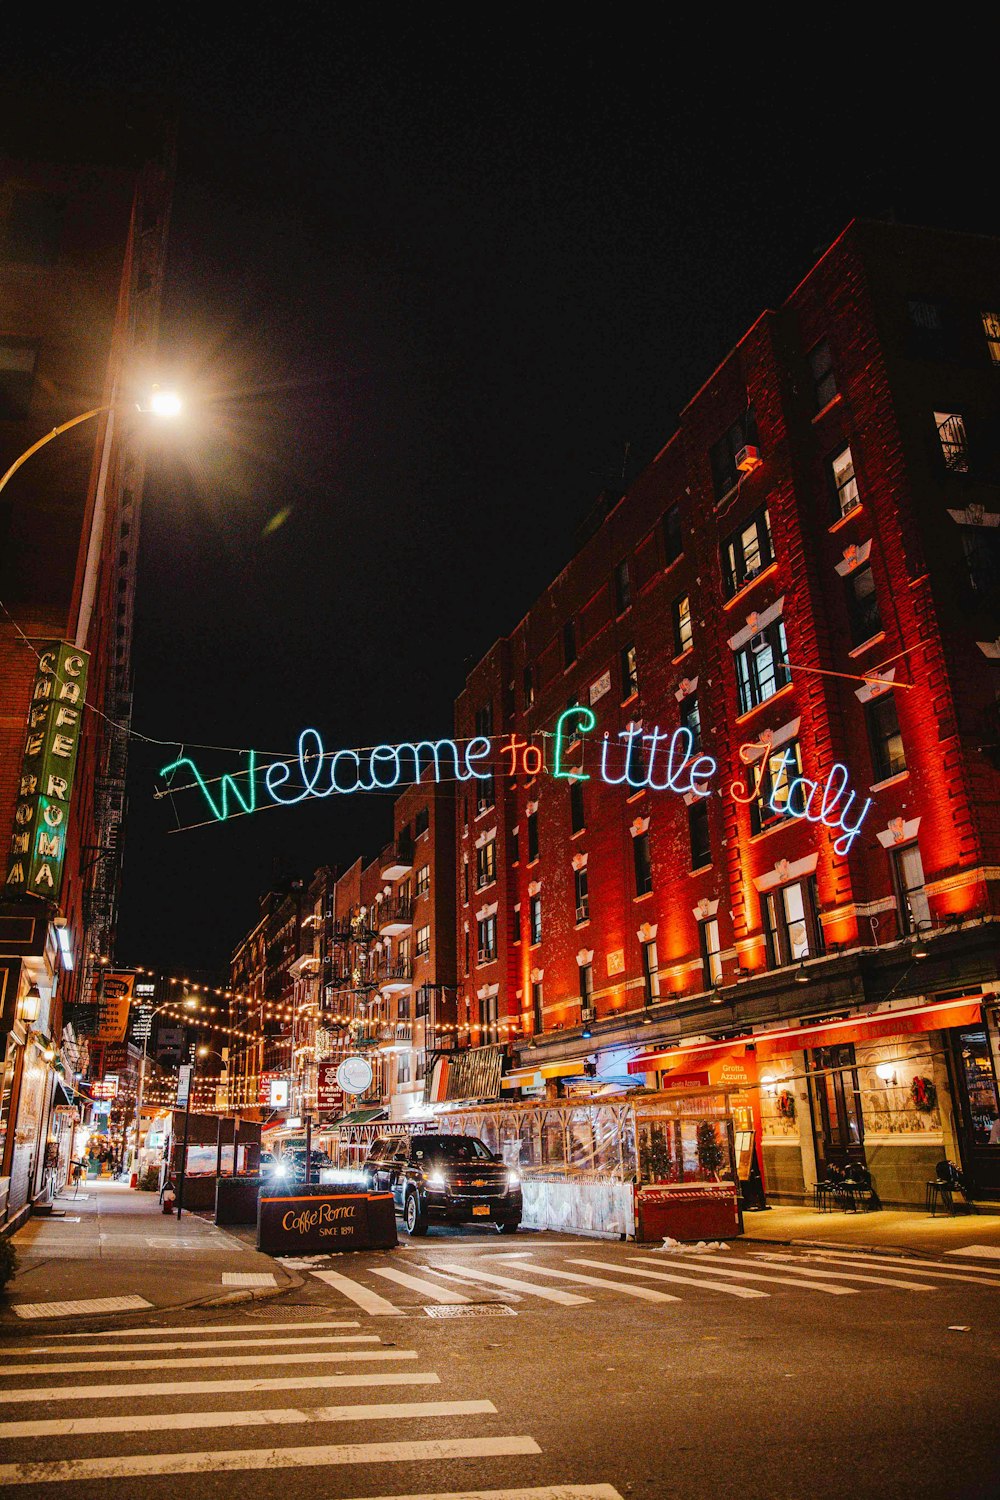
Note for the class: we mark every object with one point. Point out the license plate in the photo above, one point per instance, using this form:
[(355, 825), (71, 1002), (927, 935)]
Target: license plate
[(481, 1208)]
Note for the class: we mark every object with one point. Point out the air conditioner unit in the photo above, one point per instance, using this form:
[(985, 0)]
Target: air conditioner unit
[(748, 459), (758, 642)]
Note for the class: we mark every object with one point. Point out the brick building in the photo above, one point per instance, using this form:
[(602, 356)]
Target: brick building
[(82, 248), (803, 588)]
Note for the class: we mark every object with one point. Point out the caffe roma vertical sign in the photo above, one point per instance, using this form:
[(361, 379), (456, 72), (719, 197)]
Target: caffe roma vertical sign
[(45, 786)]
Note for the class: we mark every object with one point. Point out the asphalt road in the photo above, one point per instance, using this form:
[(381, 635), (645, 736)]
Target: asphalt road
[(536, 1366)]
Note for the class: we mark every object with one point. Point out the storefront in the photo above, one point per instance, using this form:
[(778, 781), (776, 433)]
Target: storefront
[(975, 1049)]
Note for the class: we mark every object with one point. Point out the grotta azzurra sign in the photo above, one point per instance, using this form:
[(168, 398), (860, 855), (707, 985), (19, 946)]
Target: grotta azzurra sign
[(659, 759)]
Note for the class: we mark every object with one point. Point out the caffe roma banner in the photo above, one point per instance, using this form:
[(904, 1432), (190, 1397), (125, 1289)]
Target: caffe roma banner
[(633, 759)]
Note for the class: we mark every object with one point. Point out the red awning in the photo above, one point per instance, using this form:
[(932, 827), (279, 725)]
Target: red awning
[(939, 1017)]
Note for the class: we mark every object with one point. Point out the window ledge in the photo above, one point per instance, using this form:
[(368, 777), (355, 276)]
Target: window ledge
[(855, 510), (880, 786), (833, 401), (646, 896), (630, 699), (636, 795), (682, 654), (781, 693), (579, 832), (783, 822), (623, 612), (698, 869), (570, 665), (872, 640), (584, 923), (751, 583)]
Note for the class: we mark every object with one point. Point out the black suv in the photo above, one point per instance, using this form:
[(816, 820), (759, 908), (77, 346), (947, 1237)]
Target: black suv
[(454, 1179)]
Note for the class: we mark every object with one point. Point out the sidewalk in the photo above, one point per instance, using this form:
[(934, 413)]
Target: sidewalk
[(887, 1229), (116, 1247)]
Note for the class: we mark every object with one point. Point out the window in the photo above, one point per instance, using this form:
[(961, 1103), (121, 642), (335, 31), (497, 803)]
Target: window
[(486, 864), (403, 1067), (569, 643), (673, 541), (981, 546), (423, 880), (403, 953), (623, 586), (517, 922), (711, 955), (742, 434), (466, 952), (954, 441), (790, 926), (465, 882), (515, 847), (630, 673), (862, 606), (422, 1006), (650, 972), (537, 1005), (423, 941), (823, 377), (582, 894), (487, 948), (911, 898), (577, 821), (643, 864), (701, 844), (586, 985), (485, 794), (421, 822), (529, 687), (484, 720), (762, 666), (488, 1012), (682, 624), (691, 720), (991, 329), (888, 754), (535, 911), (17, 377), (770, 805), (34, 225), (746, 552), (532, 837), (844, 482)]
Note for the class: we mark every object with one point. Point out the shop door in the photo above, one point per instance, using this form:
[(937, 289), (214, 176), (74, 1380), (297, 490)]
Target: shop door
[(837, 1119), (978, 1099)]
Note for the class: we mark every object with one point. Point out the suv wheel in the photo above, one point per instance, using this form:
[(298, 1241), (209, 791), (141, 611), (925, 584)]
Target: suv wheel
[(414, 1217), (509, 1226)]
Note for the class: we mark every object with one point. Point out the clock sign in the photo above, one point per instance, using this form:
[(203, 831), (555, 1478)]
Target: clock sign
[(354, 1075)]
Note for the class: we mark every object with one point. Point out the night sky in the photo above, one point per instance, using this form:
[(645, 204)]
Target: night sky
[(436, 279)]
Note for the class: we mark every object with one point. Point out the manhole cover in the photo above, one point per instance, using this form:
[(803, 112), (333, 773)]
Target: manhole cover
[(474, 1310)]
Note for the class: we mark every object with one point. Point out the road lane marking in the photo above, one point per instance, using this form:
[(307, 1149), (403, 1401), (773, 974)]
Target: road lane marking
[(548, 1293), (468, 1281), (373, 1411), (318, 1358), (643, 1293), (137, 1333), (535, 1492), (431, 1289), (734, 1291), (147, 1465), (371, 1302), (982, 1252), (816, 1286), (903, 1260), (319, 1338), (70, 1309), (812, 1270), (157, 1388)]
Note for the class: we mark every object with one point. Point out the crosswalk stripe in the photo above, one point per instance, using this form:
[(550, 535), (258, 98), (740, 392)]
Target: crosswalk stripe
[(548, 1293), (734, 1291), (364, 1379), (431, 1289), (534, 1492), (257, 1417), (460, 1276), (643, 1293), (318, 1338), (136, 1465), (317, 1358), (902, 1260), (816, 1286), (137, 1333), (812, 1270), (363, 1295)]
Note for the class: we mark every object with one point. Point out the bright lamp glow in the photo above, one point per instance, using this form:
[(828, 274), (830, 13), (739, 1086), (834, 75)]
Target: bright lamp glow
[(65, 951), (887, 1072), (164, 403), (513, 1180), (436, 1180)]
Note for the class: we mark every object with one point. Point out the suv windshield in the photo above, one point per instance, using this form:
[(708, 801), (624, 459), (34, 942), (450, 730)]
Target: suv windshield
[(451, 1148)]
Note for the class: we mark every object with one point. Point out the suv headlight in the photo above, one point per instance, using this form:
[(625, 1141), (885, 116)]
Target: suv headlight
[(513, 1180), (436, 1180)]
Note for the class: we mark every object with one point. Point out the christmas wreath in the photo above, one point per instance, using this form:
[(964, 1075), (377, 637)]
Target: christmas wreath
[(786, 1105), (923, 1093)]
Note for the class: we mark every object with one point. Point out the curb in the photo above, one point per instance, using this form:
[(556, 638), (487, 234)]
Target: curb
[(842, 1248)]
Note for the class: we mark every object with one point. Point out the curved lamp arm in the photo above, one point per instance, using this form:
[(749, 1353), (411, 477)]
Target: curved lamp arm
[(63, 427)]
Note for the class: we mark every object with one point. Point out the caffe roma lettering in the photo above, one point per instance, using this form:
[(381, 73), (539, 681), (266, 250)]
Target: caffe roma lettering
[(656, 758), (305, 1220)]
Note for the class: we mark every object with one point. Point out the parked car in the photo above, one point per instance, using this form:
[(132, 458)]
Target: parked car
[(295, 1164), (451, 1179)]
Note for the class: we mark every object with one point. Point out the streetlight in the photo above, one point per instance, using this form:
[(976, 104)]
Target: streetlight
[(190, 1004), (211, 1052)]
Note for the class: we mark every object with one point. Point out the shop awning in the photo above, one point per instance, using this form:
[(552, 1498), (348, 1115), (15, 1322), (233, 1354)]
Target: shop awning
[(939, 1017), (527, 1078), (361, 1117)]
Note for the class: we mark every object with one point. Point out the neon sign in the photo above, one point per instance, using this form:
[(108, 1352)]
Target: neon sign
[(660, 760)]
